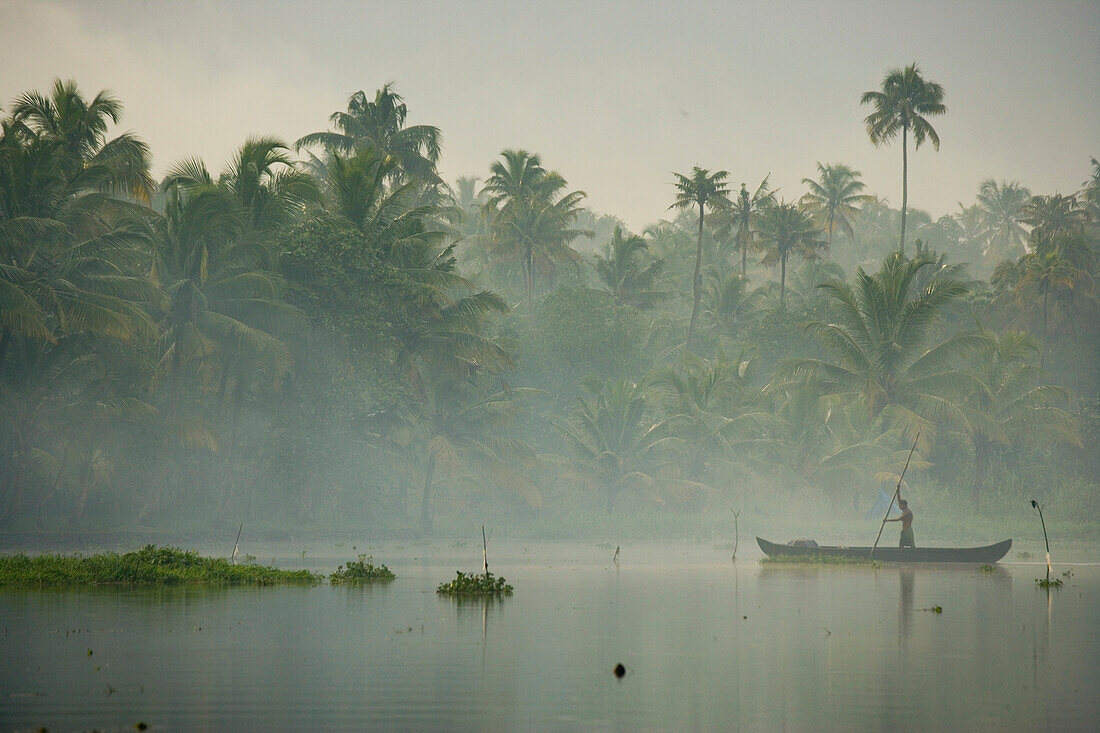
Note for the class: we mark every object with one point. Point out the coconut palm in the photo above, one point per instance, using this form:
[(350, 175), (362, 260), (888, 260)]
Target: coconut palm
[(701, 189), (461, 432), (785, 230), (531, 217), (380, 124), (626, 274), (269, 188), (70, 248), (834, 196), (1016, 410), (740, 218), (89, 161), (903, 104), (615, 436), (884, 350), (1002, 206)]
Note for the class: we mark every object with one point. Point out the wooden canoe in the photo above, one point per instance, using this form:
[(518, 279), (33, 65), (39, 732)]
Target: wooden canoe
[(986, 554)]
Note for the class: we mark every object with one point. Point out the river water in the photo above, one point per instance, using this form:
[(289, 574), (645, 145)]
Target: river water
[(708, 644)]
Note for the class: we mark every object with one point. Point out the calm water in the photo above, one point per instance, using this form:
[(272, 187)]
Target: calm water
[(708, 645)]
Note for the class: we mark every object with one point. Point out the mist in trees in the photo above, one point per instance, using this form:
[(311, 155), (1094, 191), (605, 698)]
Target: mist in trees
[(326, 334)]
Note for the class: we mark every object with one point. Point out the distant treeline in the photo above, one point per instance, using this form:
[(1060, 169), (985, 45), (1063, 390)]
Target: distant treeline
[(326, 334)]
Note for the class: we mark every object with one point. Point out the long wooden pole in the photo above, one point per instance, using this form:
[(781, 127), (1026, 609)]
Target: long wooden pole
[(897, 492)]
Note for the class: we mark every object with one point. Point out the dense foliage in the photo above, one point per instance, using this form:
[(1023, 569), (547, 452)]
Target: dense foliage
[(327, 334), (362, 570), (148, 566)]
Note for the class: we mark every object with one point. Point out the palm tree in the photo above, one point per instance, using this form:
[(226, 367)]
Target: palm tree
[(884, 349), (741, 216), (79, 128), (531, 216), (70, 248), (626, 275), (615, 436), (701, 189), (1054, 220), (461, 431), (833, 197), (1016, 410), (271, 191), (903, 104), (380, 124), (1002, 206), (787, 229)]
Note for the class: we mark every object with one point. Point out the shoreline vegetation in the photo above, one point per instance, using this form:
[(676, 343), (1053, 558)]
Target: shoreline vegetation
[(151, 565)]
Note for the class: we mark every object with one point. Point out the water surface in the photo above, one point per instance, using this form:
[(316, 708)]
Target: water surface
[(708, 644)]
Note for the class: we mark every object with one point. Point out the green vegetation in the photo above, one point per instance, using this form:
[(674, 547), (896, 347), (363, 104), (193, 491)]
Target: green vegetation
[(362, 570), (150, 565), (348, 341), (475, 584)]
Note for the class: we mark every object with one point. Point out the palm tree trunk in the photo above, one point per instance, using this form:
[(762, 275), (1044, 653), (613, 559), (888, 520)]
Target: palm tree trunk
[(783, 282), (697, 281), (904, 182), (426, 499), (743, 236), (1043, 343)]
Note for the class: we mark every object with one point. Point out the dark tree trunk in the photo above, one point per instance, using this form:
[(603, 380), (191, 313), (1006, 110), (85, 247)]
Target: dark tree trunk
[(696, 281), (904, 182)]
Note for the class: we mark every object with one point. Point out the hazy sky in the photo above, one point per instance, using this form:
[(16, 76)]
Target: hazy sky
[(613, 95)]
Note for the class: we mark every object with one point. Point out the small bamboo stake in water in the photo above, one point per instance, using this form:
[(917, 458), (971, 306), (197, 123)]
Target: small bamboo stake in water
[(236, 543), (736, 534), (1045, 539), (897, 491), (484, 552)]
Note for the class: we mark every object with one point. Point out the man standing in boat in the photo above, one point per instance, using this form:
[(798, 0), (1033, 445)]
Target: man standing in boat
[(906, 519)]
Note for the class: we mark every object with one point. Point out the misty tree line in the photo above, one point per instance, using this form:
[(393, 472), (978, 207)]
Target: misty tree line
[(325, 332)]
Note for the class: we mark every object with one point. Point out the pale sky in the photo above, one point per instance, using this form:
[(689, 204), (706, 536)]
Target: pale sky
[(614, 95)]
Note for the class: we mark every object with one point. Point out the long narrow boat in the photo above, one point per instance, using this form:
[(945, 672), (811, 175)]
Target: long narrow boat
[(987, 554)]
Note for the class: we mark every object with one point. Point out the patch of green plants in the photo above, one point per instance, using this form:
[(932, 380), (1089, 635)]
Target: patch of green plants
[(1049, 582), (362, 570), (987, 568), (151, 565), (475, 584)]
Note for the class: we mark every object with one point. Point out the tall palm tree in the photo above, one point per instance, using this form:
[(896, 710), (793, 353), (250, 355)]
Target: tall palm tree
[(883, 349), (787, 229), (903, 104), (380, 124), (701, 189), (740, 218), (834, 196), (531, 216), (1002, 206)]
